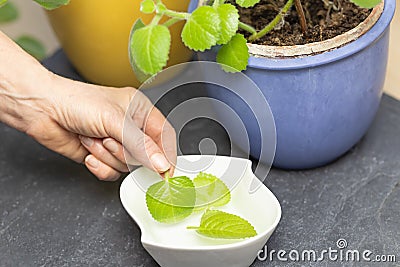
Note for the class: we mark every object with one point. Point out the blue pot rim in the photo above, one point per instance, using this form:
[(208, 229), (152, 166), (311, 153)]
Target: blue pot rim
[(334, 55)]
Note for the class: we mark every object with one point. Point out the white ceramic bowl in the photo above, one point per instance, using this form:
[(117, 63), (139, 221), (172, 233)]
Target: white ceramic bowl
[(172, 245)]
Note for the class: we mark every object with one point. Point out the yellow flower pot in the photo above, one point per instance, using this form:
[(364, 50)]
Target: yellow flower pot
[(95, 33)]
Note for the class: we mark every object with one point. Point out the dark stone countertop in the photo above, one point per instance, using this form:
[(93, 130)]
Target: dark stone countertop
[(55, 213)]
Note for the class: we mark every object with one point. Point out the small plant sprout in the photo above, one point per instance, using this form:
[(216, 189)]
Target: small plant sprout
[(214, 24)]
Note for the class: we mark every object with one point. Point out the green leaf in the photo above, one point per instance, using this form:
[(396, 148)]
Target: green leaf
[(219, 224), (147, 6), (8, 12), (234, 55), (142, 77), (150, 46), (210, 191), (202, 29), (171, 200), (229, 17), (32, 46), (52, 4), (247, 3), (366, 3), (2, 3), (160, 8)]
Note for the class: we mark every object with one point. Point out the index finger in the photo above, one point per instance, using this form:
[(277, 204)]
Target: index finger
[(161, 131)]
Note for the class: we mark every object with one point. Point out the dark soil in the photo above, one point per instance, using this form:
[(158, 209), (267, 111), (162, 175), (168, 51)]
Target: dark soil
[(323, 21)]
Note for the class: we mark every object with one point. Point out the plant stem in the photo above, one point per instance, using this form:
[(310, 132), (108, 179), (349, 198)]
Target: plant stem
[(192, 227), (273, 23), (167, 175), (215, 4), (175, 14), (221, 2), (302, 17), (156, 19), (171, 22), (247, 27)]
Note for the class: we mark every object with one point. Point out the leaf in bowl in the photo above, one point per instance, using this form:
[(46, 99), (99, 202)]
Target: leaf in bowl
[(219, 224), (210, 191), (171, 200)]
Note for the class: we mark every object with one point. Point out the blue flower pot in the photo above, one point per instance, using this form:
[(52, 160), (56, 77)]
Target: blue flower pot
[(322, 104)]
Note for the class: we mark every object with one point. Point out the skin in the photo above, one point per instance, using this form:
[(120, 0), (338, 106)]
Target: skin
[(81, 121)]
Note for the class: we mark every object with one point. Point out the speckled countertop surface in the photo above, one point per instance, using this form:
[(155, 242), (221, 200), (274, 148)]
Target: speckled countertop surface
[(54, 213)]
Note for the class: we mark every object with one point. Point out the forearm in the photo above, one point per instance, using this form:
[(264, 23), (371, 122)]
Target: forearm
[(23, 82)]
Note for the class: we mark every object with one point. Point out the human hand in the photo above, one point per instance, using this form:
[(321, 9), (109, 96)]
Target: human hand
[(87, 124), (81, 121)]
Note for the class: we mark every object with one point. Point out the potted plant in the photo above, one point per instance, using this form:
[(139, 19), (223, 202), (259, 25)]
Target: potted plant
[(323, 94), (94, 35)]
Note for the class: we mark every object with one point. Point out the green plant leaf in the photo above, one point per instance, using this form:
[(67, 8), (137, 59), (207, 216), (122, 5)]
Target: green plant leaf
[(3, 2), (8, 12), (52, 4), (229, 17), (171, 200), (234, 55), (32, 46), (366, 3), (219, 224), (140, 75), (202, 29), (210, 191), (150, 47), (147, 6), (247, 3)]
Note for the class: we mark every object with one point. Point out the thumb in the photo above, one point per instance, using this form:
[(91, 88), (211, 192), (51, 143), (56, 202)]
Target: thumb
[(143, 148)]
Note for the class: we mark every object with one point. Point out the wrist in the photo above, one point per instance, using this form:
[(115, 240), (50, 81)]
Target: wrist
[(24, 96)]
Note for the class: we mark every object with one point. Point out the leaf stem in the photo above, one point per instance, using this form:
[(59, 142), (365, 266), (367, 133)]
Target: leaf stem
[(247, 27), (175, 14), (156, 19), (192, 227), (172, 21), (167, 175), (273, 23)]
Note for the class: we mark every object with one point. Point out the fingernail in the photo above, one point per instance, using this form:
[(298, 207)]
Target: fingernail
[(160, 162), (92, 161), (86, 141), (111, 145)]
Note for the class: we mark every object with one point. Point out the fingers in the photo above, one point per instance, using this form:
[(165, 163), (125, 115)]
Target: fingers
[(117, 150), (100, 169), (96, 148), (162, 132), (143, 148), (154, 125)]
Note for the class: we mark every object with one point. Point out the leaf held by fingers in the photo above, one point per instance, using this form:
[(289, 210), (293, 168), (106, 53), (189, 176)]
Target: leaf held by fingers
[(171, 200), (219, 224), (210, 191)]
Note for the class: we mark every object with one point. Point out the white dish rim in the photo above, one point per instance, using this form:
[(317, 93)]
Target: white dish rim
[(238, 244)]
